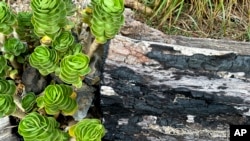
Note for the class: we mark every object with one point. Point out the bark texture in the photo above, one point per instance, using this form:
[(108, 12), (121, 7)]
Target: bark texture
[(168, 88)]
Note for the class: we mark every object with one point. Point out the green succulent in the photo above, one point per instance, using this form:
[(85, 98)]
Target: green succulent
[(14, 46), (7, 87), (70, 7), (7, 19), (58, 98), (4, 67), (87, 130), (106, 19), (7, 105), (63, 41), (28, 101), (7, 90), (25, 27), (49, 16), (75, 49), (73, 67), (35, 127), (44, 59)]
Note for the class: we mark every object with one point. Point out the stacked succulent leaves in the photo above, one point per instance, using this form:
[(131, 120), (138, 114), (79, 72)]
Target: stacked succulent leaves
[(4, 69), (57, 52), (49, 16), (105, 18), (57, 42), (44, 59), (14, 46), (73, 66), (7, 19), (39, 128), (87, 130), (56, 99), (25, 27), (7, 90)]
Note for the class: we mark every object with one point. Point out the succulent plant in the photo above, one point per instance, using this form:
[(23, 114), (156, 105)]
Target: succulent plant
[(107, 18), (35, 127), (4, 67), (70, 7), (14, 46), (7, 105), (44, 59), (28, 101), (73, 67), (87, 130), (49, 16), (75, 49), (57, 98), (7, 90), (25, 27), (7, 19), (7, 87), (63, 41)]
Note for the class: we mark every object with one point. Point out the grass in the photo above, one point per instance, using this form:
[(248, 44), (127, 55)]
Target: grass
[(227, 19)]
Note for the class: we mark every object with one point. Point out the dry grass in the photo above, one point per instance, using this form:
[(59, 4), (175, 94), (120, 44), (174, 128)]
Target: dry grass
[(228, 19)]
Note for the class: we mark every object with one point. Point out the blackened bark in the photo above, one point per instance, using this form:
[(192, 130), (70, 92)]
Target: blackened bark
[(155, 91)]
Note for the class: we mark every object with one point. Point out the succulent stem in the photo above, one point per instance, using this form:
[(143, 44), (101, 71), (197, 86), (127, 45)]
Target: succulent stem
[(2, 38), (15, 34), (92, 48), (18, 113), (15, 64), (17, 101)]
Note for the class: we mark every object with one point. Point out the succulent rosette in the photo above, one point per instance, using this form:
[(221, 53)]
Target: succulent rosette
[(73, 67), (7, 90), (4, 67), (7, 105), (49, 16), (107, 18), (70, 7), (64, 41), (88, 130), (28, 101), (14, 46), (44, 59), (75, 49), (7, 19), (57, 98), (35, 127), (25, 27), (7, 87)]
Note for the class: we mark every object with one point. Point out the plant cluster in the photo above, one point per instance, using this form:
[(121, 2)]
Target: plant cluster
[(43, 39)]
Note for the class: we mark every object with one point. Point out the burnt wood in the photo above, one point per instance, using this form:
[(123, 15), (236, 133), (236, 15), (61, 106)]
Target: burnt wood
[(159, 91)]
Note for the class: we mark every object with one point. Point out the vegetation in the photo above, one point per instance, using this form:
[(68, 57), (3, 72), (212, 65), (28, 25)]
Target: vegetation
[(43, 38), (228, 19)]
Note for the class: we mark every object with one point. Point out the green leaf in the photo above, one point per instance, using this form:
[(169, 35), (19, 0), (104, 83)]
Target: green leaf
[(14, 46), (25, 27), (75, 49), (7, 90), (88, 130), (73, 67), (49, 16), (106, 19), (63, 41), (28, 101), (7, 105), (7, 87), (44, 59), (57, 98), (7, 19), (35, 127), (4, 67)]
